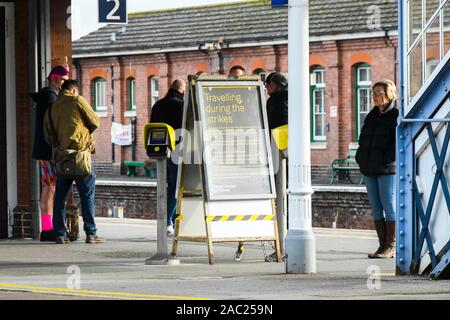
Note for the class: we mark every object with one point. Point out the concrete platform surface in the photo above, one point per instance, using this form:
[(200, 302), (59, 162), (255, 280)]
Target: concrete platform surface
[(30, 269)]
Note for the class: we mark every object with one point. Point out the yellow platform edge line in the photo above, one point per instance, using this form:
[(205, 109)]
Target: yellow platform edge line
[(93, 293)]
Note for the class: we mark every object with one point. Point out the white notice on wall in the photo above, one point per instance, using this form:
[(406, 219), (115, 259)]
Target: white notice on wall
[(121, 134), (333, 111)]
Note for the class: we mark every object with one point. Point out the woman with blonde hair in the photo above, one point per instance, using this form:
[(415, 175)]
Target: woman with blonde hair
[(376, 159)]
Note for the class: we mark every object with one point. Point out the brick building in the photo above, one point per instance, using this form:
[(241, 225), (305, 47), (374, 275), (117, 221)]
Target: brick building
[(352, 44)]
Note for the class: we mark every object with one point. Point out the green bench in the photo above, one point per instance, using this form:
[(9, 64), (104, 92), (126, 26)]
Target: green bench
[(344, 166), (132, 165)]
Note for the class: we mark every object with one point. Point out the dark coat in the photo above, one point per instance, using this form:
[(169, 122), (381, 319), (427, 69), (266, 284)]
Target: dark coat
[(277, 108), (376, 152), (43, 99), (169, 110)]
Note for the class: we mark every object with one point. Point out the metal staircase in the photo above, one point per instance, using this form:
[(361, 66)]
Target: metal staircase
[(423, 135)]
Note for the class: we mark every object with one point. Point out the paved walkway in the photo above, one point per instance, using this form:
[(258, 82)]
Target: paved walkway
[(30, 269)]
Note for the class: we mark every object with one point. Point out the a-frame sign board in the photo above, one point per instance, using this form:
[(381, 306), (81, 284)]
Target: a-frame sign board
[(225, 188)]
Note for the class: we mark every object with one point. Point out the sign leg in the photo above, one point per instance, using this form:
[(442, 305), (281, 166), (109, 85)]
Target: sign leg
[(175, 238), (210, 244)]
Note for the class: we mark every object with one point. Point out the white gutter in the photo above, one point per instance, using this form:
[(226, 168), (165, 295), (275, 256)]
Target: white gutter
[(337, 37)]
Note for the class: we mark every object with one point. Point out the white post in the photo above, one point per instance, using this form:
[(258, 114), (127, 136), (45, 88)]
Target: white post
[(300, 240)]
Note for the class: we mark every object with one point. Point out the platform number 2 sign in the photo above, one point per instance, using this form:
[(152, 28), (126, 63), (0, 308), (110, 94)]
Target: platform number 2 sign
[(112, 11)]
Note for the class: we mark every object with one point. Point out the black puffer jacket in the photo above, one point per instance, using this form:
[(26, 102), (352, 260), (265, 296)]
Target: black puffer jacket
[(169, 110), (376, 152), (277, 108), (44, 98)]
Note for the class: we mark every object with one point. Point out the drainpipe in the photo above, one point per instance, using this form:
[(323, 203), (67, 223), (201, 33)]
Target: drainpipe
[(221, 67), (77, 64), (33, 86), (113, 110), (388, 40)]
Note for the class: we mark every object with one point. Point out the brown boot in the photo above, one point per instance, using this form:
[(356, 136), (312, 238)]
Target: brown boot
[(380, 226), (389, 246)]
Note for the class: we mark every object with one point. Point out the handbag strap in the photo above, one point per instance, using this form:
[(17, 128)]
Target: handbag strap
[(52, 127)]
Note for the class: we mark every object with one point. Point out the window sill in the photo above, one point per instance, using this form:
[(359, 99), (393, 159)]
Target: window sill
[(102, 114), (322, 145), (130, 114)]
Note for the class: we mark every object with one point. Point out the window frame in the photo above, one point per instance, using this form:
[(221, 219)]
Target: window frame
[(359, 87), (314, 89), (132, 94), (96, 81), (154, 94), (417, 39)]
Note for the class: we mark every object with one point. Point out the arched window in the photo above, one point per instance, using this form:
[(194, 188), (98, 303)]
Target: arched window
[(318, 114), (132, 94), (363, 96), (99, 94)]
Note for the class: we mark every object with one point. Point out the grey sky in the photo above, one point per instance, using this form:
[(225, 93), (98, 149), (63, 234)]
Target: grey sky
[(85, 12)]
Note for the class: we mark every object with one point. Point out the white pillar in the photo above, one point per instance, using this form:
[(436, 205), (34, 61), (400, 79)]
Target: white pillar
[(300, 241)]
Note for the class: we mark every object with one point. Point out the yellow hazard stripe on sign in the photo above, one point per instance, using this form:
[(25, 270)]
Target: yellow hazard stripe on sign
[(254, 217)]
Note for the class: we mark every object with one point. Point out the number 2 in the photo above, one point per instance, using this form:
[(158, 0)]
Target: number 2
[(111, 15)]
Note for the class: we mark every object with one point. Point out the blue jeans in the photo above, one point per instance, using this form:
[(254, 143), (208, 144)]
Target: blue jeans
[(381, 192), (172, 170), (86, 189)]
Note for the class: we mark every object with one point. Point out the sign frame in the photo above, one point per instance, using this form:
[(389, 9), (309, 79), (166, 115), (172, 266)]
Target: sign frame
[(112, 13), (204, 137), (200, 219)]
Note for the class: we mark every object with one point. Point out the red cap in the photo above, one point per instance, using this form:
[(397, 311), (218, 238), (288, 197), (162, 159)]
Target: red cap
[(59, 72)]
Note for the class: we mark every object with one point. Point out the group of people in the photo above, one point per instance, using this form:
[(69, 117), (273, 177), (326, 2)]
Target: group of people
[(74, 121), (66, 120)]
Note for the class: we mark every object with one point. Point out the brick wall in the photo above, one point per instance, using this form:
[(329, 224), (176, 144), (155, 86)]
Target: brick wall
[(24, 143), (138, 202), (350, 210)]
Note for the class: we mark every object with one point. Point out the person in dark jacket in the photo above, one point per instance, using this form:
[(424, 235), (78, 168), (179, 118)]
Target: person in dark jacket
[(42, 151), (267, 83), (169, 110), (277, 104), (376, 159)]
